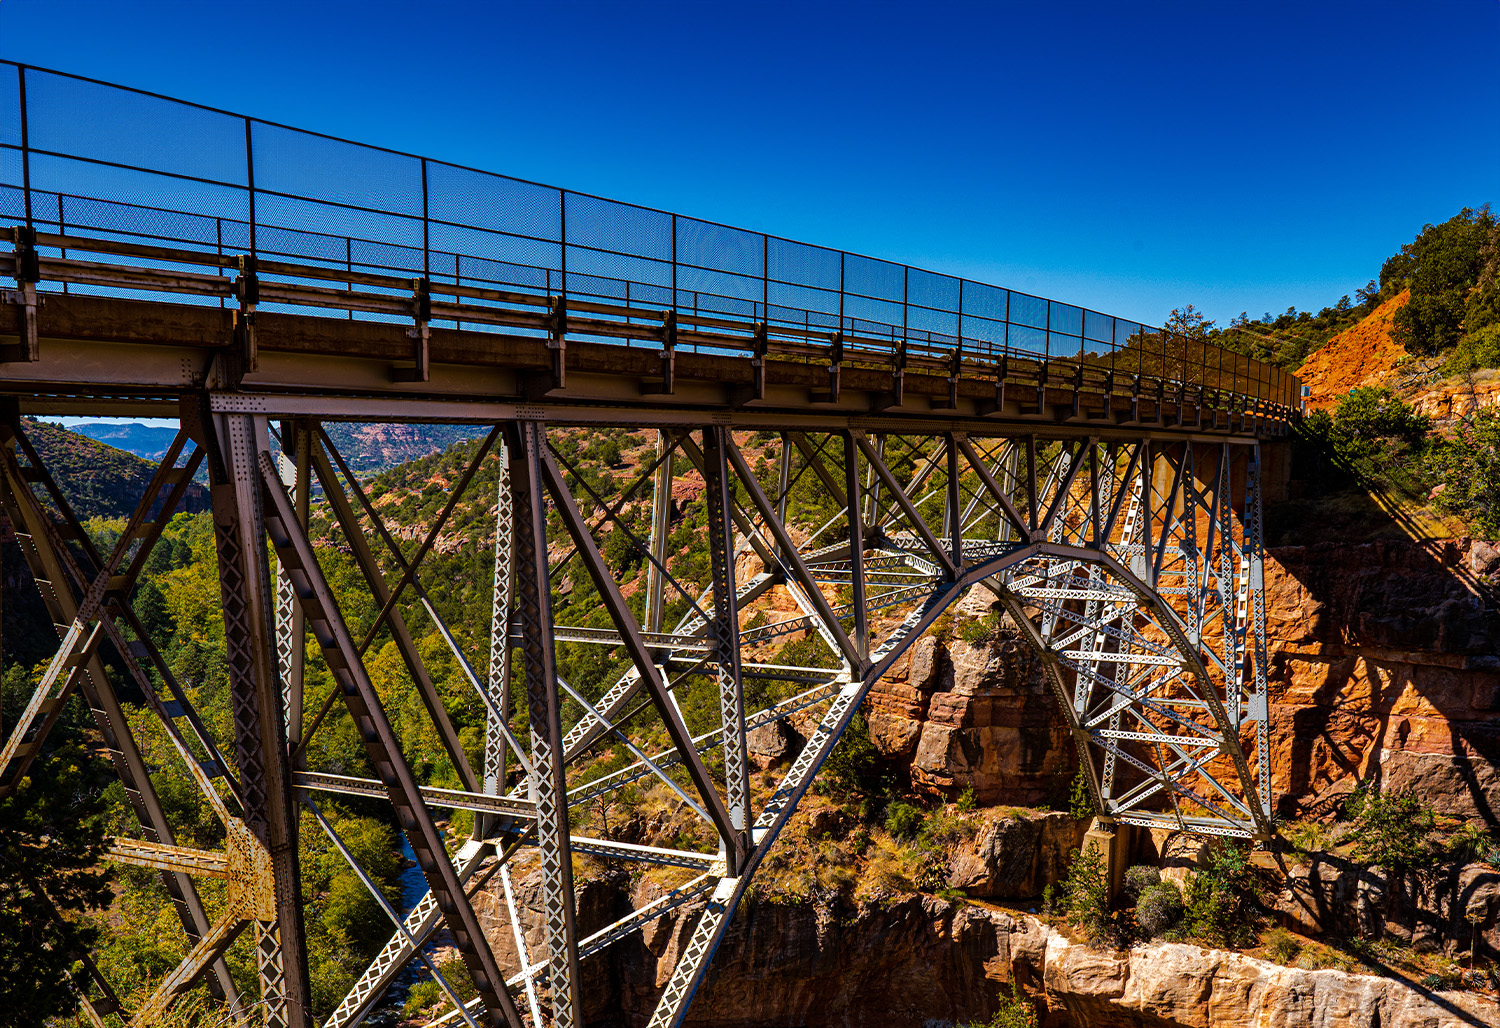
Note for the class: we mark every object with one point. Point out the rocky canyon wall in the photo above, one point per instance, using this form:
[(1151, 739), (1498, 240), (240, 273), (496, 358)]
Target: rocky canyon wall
[(921, 960)]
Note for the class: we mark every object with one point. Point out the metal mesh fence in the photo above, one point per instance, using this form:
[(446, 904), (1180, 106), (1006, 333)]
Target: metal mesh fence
[(87, 157)]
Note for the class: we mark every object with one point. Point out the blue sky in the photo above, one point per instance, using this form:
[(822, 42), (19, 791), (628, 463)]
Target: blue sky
[(1131, 158)]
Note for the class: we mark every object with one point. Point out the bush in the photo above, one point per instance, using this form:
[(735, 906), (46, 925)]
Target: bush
[(980, 630), (1368, 420), (1471, 842), (1390, 830), (903, 820), (1282, 946), (422, 996), (1159, 909), (1015, 1012), (1140, 878), (854, 765), (1478, 349), (967, 801)]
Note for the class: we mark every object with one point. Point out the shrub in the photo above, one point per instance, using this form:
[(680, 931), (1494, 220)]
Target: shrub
[(422, 996), (967, 801), (903, 820), (1477, 349), (1159, 909), (1391, 830), (1015, 1011), (1140, 878), (1368, 420), (980, 630), (942, 827), (1471, 842), (1306, 836), (854, 764), (1282, 946)]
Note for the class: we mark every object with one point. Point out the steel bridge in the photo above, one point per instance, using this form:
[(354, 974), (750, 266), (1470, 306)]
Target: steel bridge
[(1099, 477)]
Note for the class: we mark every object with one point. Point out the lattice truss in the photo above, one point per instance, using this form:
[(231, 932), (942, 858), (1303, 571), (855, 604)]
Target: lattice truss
[(1132, 566)]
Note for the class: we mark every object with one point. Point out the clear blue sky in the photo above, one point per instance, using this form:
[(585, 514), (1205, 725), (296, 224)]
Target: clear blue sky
[(1127, 157)]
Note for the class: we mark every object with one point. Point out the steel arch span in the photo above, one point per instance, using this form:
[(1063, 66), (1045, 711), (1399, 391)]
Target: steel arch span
[(1131, 565)]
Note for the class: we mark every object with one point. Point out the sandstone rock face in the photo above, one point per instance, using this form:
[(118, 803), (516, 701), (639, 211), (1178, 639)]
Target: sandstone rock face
[(1449, 401), (772, 744), (976, 716), (1384, 667), (1016, 858), (1166, 985), (920, 961)]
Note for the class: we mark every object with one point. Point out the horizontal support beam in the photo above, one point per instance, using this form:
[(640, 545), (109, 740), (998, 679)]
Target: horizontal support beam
[(454, 799), (162, 857)]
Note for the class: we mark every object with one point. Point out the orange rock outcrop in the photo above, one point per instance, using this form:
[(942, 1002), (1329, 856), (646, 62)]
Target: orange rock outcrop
[(1363, 355)]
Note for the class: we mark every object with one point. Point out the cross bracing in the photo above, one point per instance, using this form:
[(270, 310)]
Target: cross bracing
[(1122, 563)]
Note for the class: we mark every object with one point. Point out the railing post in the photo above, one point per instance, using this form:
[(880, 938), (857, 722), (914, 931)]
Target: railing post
[(765, 278), (426, 249), (25, 142), (250, 180)]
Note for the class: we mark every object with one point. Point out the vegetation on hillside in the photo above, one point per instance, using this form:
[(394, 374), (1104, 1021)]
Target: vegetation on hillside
[(1374, 440)]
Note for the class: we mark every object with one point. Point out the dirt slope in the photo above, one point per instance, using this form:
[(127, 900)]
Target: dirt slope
[(1363, 355)]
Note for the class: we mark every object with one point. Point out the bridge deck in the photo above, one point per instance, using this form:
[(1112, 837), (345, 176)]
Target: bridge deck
[(609, 362)]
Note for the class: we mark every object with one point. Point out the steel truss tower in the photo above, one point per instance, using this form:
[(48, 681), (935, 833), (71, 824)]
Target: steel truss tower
[(1131, 563)]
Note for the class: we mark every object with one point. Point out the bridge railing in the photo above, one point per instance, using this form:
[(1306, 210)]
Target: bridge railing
[(82, 157)]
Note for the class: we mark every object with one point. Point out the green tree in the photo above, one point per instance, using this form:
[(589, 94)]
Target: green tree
[(1468, 463), (1368, 423), (1440, 267), (1087, 892), (1219, 905), (51, 839), (1482, 308)]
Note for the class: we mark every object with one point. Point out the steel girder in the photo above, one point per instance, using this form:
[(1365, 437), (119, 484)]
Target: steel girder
[(1131, 567)]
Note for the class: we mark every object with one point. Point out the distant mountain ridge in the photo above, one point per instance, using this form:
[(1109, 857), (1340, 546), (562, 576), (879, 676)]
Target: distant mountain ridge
[(368, 448), (148, 441), (100, 480)]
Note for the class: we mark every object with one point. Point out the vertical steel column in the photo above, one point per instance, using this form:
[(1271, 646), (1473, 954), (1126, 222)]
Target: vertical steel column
[(855, 514), (872, 483), (954, 511), (724, 634), (260, 725), (1254, 526), (526, 441), (661, 525), (500, 619), (290, 622)]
